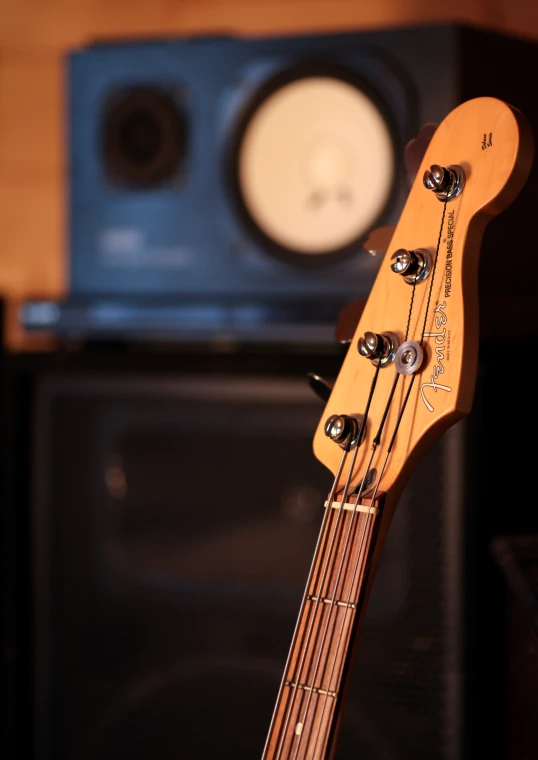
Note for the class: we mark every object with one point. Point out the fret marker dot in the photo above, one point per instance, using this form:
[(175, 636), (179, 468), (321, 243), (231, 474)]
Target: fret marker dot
[(299, 729)]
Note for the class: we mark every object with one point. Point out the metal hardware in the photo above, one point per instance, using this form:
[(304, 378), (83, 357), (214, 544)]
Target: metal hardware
[(413, 266), (367, 482), (344, 429), (446, 182), (321, 387), (408, 357), (380, 348)]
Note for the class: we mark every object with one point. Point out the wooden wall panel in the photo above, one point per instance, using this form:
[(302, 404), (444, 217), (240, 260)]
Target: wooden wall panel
[(35, 34)]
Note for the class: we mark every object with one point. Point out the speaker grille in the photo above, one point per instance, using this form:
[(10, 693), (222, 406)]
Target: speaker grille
[(144, 649)]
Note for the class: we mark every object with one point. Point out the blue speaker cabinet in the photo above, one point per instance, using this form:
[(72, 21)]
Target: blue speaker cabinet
[(226, 186)]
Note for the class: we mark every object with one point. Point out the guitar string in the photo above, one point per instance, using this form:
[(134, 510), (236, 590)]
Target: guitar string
[(346, 559), (319, 594), (369, 519), (392, 440), (322, 536), (295, 679), (354, 512)]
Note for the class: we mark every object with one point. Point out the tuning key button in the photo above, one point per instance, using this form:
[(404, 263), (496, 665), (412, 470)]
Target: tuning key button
[(335, 428), (413, 266), (446, 182), (344, 429), (380, 348), (320, 386), (409, 357)]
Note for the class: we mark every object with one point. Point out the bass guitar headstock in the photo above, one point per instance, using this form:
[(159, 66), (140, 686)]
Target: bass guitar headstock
[(410, 369)]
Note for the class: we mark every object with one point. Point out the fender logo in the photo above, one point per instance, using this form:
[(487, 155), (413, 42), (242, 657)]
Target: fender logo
[(440, 343)]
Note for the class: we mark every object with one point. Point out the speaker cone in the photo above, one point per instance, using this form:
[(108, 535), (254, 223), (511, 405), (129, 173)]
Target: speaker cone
[(314, 164), (144, 137)]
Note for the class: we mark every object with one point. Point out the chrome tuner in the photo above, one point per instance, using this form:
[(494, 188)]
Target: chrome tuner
[(344, 429), (413, 266), (446, 182), (409, 357), (380, 348)]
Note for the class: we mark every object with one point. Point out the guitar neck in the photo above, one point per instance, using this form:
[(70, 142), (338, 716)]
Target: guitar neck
[(310, 701)]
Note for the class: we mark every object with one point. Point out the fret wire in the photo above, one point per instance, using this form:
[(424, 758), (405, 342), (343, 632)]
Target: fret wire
[(325, 523), (353, 515), (343, 500), (344, 496), (314, 689), (324, 574), (362, 565), (324, 600)]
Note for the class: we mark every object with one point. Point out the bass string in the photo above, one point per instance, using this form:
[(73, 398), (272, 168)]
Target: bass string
[(369, 520), (295, 679), (322, 536), (319, 594), (332, 596)]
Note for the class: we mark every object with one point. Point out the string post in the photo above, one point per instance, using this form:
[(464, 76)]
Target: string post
[(446, 182)]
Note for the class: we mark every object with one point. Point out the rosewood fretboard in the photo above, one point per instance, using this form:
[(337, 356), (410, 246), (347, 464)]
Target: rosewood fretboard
[(311, 695)]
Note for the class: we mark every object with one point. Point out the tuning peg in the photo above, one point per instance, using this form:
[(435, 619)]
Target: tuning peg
[(348, 319), (321, 387), (413, 266), (445, 182), (378, 240), (437, 178), (416, 148)]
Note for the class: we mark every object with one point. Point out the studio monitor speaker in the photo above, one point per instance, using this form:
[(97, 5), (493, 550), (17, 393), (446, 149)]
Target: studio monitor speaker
[(228, 184)]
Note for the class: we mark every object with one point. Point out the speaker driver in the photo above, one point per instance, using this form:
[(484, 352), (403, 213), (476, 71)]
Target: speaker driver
[(144, 138), (315, 165)]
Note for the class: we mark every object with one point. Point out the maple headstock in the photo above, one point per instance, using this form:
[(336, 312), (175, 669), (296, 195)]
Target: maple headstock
[(430, 298)]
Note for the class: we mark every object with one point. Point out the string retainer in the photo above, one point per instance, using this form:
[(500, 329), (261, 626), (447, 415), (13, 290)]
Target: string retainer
[(447, 182), (409, 357)]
